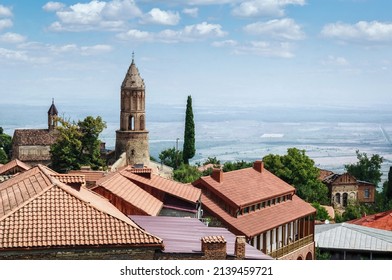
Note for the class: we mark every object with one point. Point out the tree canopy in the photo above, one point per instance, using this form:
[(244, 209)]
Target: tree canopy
[(189, 149), (5, 146), (171, 157), (77, 144), (366, 169), (298, 170)]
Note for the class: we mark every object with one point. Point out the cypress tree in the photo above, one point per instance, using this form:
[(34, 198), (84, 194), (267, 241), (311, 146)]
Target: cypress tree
[(189, 133)]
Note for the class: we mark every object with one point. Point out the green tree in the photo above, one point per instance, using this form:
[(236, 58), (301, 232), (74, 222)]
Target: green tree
[(322, 213), (186, 173), (189, 149), (353, 211), (298, 170), (3, 156), (366, 169), (387, 188), (239, 164), (322, 255), (5, 145), (77, 144), (171, 157)]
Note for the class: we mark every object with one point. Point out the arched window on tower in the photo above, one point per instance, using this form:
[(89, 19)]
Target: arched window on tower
[(142, 122), (337, 198), (131, 123)]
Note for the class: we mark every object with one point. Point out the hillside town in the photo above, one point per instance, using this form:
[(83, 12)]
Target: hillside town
[(135, 209)]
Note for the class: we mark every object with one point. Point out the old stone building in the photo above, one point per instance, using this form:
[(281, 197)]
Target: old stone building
[(345, 188), (132, 137), (32, 146)]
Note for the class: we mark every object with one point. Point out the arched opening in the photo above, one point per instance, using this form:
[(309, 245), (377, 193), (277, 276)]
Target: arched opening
[(142, 122), (131, 123), (345, 200), (337, 198), (299, 258), (309, 256)]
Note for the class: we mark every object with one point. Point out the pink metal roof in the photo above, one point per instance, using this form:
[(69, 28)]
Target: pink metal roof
[(183, 235)]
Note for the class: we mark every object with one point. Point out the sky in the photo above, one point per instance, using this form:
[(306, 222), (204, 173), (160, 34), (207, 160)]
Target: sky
[(222, 53)]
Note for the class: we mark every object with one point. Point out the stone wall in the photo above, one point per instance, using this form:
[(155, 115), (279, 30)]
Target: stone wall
[(135, 144)]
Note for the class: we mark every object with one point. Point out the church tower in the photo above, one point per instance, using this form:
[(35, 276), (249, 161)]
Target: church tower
[(132, 137), (52, 117)]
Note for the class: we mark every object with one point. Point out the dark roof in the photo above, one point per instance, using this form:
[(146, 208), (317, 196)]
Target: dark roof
[(33, 137), (183, 235), (53, 110)]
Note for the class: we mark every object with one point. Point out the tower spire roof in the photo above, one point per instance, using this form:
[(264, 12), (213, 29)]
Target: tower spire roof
[(132, 78), (52, 110)]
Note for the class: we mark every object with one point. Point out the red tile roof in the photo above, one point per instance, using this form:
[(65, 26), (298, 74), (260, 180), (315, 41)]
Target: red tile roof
[(71, 178), (214, 239), (33, 137), (262, 220), (381, 220), (14, 166), (90, 175), (38, 211), (122, 187), (247, 186), (184, 191)]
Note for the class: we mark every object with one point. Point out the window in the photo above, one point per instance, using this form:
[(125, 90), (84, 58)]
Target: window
[(367, 193)]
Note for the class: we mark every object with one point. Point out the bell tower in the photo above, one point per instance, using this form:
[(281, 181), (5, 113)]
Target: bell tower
[(52, 116), (132, 137)]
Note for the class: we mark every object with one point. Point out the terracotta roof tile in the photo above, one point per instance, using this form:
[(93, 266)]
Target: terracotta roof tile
[(59, 216), (14, 166), (381, 220), (213, 239), (90, 175), (262, 220), (70, 178), (184, 191), (246, 186), (130, 192), (33, 137)]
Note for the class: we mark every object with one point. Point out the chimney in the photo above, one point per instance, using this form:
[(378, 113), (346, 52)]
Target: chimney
[(258, 165), (217, 175), (239, 247), (214, 247)]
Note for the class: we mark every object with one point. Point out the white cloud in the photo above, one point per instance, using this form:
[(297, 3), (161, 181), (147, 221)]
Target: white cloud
[(96, 49), (225, 43), (257, 8), (5, 11), (157, 16), (268, 49), (5, 23), (189, 33), (96, 15), (13, 55), (13, 38), (53, 6), (278, 28), (338, 61), (193, 12), (362, 31)]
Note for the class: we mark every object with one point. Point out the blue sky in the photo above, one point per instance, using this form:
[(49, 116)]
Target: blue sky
[(248, 53)]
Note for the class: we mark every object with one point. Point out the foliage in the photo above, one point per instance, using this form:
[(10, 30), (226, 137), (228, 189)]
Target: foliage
[(5, 145), (171, 157), (322, 213), (387, 188), (240, 164), (353, 211), (298, 170), (189, 149), (338, 217), (77, 144), (186, 173), (366, 169), (322, 256), (212, 160), (3, 156)]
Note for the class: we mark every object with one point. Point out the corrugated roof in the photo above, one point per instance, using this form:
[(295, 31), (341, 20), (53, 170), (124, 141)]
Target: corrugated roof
[(122, 187), (6, 168), (247, 186), (254, 223), (345, 236), (183, 235), (43, 212), (184, 191)]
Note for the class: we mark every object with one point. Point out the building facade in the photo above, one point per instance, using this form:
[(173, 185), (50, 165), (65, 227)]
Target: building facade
[(255, 203), (132, 137), (32, 146)]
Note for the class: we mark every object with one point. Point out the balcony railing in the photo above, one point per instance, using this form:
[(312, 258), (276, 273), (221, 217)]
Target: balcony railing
[(292, 247)]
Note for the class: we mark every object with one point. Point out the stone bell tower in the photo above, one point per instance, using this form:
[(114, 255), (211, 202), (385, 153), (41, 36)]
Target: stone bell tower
[(132, 137), (52, 116)]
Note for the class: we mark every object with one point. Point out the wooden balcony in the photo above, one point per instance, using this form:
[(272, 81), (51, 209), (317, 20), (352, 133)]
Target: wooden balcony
[(292, 247)]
